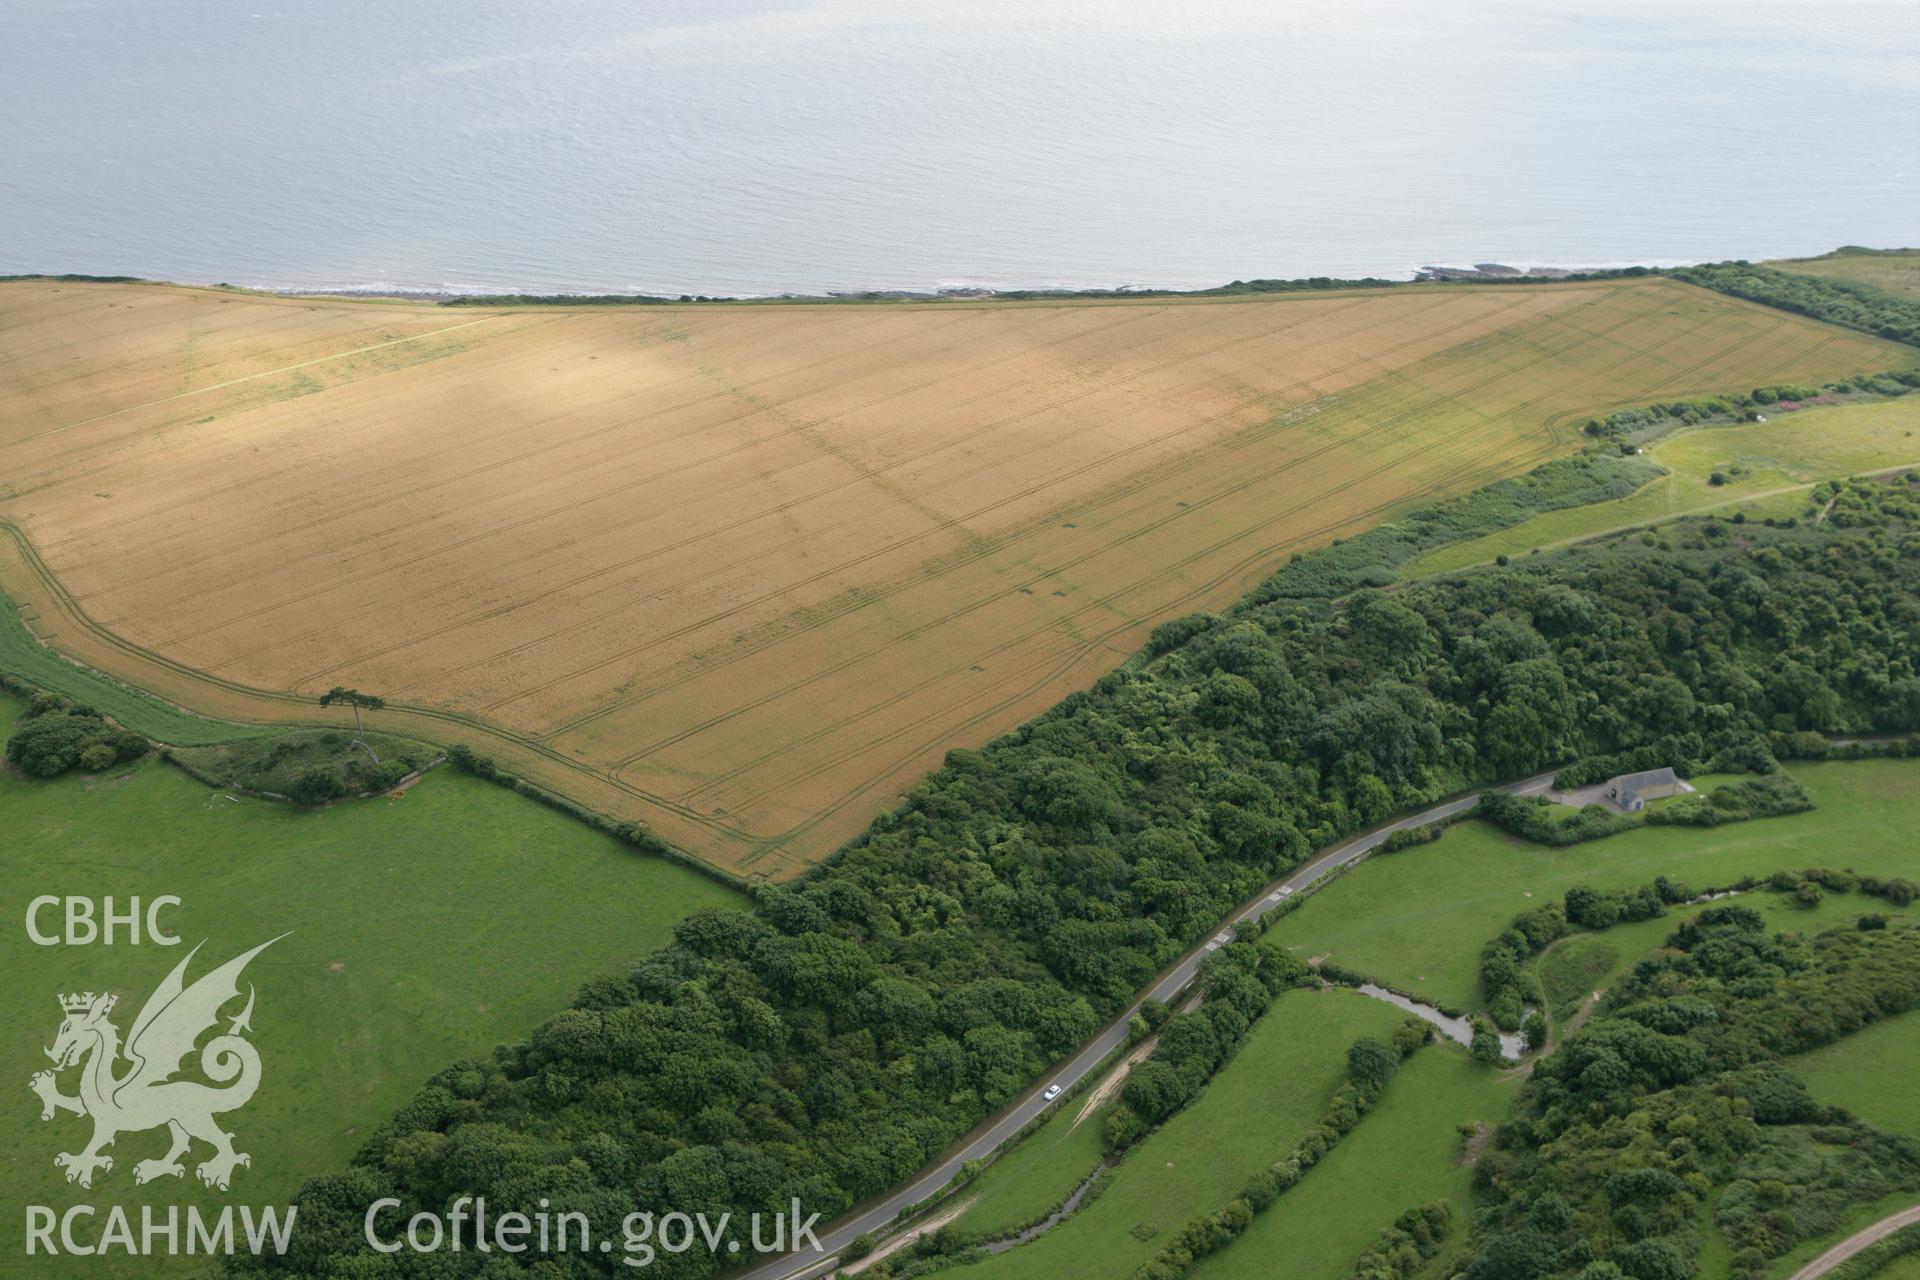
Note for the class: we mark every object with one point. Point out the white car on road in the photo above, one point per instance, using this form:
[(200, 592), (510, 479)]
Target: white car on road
[(1053, 1091)]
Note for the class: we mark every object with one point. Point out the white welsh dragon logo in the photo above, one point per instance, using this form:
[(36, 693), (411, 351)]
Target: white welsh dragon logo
[(146, 1095)]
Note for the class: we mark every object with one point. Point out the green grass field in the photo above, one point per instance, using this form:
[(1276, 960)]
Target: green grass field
[(1777, 461), (1871, 1073), (1417, 919), (1896, 272), (23, 656), (424, 929), (1039, 1172), (1408, 1151), (1251, 1115)]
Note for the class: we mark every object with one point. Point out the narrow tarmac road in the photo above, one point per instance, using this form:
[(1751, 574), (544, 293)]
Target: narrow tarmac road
[(878, 1214)]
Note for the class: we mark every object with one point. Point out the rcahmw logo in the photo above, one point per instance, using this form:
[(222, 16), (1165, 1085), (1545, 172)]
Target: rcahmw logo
[(141, 1083)]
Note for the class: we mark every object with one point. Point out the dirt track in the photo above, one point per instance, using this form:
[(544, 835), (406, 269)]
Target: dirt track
[(1857, 1241)]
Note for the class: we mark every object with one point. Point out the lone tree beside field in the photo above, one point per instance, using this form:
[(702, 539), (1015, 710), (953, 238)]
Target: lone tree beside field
[(355, 699)]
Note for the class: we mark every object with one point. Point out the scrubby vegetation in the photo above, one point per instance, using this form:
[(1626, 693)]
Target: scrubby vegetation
[(28, 668), (1540, 820), (54, 736), (310, 766), (1768, 797), (635, 834), (1375, 558), (1878, 1256), (1237, 288), (1240, 982), (1859, 306), (1748, 406), (1506, 987), (1414, 1239), (829, 1043), (1371, 1065), (416, 932), (1543, 821), (1673, 1103)]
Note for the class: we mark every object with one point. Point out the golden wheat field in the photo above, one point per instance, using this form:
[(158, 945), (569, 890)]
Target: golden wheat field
[(745, 572)]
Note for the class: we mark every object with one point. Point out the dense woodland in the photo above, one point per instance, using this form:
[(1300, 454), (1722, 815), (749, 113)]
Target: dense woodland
[(1675, 1098), (827, 1044)]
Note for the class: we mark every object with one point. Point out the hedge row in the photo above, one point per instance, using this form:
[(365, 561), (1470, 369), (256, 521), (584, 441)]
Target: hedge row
[(1410, 1243), (1538, 819), (634, 834), (1766, 797), (1370, 1066), (1678, 750), (1241, 982)]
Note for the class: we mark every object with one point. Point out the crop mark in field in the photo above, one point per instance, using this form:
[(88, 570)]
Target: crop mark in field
[(372, 504), (816, 437), (1192, 459), (520, 460), (1073, 658), (1148, 482), (710, 569), (775, 844), (251, 377)]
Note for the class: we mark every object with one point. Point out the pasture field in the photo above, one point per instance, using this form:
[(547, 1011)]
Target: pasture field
[(1039, 1171), (1407, 1152), (1767, 468), (1417, 919), (1896, 272), (425, 929), (745, 572), (1253, 1112), (1870, 1073)]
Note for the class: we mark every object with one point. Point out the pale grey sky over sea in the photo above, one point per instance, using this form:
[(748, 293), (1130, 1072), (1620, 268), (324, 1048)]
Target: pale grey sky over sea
[(756, 146)]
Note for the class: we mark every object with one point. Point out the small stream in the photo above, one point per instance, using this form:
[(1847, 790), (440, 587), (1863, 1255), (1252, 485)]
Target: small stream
[(1053, 1219), (1458, 1030)]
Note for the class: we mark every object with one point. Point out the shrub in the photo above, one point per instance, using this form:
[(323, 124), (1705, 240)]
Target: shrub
[(55, 736), (96, 756), (316, 787)]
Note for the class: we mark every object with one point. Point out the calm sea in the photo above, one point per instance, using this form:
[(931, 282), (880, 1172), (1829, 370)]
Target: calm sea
[(754, 146)]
